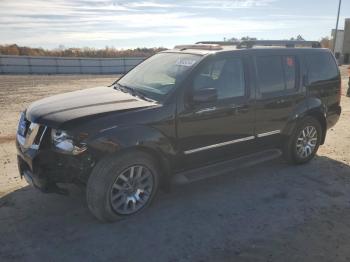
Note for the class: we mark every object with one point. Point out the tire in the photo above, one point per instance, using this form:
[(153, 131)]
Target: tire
[(107, 186), (293, 150)]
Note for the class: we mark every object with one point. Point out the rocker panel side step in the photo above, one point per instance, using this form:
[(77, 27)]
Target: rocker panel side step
[(221, 168)]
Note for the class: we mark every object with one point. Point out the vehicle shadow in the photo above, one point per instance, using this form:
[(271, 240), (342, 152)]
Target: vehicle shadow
[(265, 206)]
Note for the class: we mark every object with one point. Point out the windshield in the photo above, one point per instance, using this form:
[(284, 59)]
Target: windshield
[(158, 75)]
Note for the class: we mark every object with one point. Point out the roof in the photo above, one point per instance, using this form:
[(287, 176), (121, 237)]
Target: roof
[(207, 47), (269, 43)]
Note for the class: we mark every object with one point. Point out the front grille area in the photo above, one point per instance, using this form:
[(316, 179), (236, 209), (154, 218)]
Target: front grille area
[(32, 134), (40, 135), (23, 125), (35, 135)]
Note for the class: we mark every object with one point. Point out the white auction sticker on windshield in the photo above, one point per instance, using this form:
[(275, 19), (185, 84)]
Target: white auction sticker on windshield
[(185, 62)]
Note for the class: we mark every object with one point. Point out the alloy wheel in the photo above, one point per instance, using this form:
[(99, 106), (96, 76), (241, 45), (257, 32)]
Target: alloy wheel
[(131, 189), (306, 142)]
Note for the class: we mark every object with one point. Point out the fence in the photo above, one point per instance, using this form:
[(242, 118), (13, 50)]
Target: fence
[(66, 65)]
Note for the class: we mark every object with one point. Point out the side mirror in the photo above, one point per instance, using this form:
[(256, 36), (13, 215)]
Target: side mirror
[(205, 95)]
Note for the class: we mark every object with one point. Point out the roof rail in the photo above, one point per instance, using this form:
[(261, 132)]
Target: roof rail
[(199, 46), (222, 43), (252, 43), (284, 43)]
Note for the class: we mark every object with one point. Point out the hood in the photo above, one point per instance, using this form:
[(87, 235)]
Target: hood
[(56, 110)]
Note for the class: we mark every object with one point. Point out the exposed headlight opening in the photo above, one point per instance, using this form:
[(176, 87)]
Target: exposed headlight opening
[(64, 143)]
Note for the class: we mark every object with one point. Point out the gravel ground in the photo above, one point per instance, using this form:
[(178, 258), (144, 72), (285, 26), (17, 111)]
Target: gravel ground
[(271, 212), (16, 93)]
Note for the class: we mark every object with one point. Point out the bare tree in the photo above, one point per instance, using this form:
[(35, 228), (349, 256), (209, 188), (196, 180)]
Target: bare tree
[(326, 42)]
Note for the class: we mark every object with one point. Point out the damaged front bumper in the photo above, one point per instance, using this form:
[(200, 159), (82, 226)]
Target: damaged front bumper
[(43, 168)]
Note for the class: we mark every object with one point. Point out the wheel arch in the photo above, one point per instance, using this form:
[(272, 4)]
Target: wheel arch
[(145, 139), (320, 117), (161, 160), (311, 107)]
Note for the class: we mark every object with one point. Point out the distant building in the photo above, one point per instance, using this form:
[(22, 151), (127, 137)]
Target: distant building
[(346, 44), (342, 45), (339, 42)]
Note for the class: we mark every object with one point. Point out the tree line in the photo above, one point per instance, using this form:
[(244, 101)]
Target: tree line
[(107, 52), (326, 42), (111, 52)]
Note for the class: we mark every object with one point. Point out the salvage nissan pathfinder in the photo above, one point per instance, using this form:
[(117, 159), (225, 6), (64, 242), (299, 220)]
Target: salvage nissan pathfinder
[(182, 114)]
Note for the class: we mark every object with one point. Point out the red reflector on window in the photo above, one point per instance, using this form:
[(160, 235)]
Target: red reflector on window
[(290, 61)]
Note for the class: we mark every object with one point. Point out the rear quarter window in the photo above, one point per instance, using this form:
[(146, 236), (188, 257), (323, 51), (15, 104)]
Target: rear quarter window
[(290, 72), (321, 67)]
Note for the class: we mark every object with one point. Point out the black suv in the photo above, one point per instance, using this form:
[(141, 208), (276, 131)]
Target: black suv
[(181, 115)]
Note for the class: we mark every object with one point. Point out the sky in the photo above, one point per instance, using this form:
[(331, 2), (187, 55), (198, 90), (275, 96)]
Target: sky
[(154, 23)]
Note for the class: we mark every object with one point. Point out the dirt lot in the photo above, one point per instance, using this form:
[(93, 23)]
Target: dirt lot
[(16, 92), (272, 212)]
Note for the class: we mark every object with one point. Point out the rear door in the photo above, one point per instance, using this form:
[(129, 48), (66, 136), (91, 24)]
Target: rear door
[(278, 91)]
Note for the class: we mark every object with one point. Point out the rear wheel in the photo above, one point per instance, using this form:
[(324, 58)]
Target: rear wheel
[(303, 144), (122, 185)]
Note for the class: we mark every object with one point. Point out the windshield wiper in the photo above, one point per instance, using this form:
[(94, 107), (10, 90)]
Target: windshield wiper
[(132, 91)]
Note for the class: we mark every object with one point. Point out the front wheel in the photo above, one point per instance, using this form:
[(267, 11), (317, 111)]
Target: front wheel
[(122, 185), (303, 144)]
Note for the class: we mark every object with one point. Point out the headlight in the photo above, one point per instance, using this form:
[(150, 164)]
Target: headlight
[(64, 143)]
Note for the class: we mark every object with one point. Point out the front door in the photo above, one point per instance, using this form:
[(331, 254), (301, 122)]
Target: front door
[(213, 131)]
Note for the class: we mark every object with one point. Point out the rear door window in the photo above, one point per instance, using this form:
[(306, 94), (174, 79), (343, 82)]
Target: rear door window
[(276, 73), (321, 67)]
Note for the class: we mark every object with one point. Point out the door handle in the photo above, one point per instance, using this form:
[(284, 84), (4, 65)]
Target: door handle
[(206, 110), (241, 109), (281, 101)]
